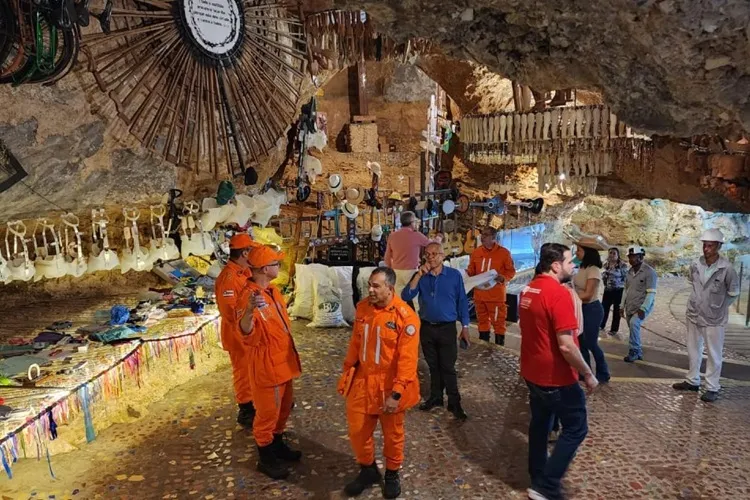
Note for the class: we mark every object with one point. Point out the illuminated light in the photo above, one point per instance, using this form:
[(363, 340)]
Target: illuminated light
[(562, 177)]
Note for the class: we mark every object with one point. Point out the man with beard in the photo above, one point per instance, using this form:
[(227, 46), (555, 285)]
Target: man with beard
[(550, 364)]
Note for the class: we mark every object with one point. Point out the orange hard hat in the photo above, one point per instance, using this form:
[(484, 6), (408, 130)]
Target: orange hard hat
[(263, 255), (240, 241)]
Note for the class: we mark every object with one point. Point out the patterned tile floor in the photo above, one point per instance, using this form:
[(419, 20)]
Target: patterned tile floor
[(645, 440)]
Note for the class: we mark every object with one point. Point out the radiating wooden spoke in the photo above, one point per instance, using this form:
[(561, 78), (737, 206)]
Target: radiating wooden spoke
[(198, 84)]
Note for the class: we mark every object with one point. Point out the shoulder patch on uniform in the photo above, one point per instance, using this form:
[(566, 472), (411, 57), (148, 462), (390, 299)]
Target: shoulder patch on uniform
[(228, 293), (411, 330)]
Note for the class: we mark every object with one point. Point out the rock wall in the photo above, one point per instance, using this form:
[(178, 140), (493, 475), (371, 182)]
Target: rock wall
[(676, 67), (669, 231), (73, 160)]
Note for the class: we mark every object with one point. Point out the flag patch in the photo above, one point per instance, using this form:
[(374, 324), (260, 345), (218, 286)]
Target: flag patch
[(228, 293)]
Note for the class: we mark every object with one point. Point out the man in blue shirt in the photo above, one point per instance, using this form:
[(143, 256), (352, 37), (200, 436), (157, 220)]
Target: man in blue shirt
[(442, 302)]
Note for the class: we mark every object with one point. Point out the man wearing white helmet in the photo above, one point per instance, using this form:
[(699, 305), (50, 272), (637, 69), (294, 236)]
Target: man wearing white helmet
[(715, 286), (637, 299)]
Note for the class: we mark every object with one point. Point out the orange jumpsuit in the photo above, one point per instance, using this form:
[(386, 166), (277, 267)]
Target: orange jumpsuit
[(229, 286), (274, 365), (384, 348), (489, 303)]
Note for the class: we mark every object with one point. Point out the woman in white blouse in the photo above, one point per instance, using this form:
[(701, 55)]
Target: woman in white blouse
[(589, 287)]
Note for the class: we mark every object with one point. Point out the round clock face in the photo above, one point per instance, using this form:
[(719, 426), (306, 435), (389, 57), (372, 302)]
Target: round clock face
[(215, 25)]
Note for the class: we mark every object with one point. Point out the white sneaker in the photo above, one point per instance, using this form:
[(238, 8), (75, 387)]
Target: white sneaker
[(535, 495)]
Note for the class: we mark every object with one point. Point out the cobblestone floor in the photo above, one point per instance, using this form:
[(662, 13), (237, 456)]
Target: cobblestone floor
[(645, 441)]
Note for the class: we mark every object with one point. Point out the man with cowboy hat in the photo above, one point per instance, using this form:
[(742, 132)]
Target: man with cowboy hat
[(637, 299), (715, 286)]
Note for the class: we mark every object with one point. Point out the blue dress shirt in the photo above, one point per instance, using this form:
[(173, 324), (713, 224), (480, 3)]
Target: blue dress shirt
[(442, 298)]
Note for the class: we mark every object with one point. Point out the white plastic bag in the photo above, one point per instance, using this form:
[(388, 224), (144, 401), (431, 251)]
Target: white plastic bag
[(327, 302), (303, 290), (362, 278), (344, 275)]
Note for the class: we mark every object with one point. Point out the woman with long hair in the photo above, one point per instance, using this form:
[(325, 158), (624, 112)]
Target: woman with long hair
[(589, 287), (614, 272)]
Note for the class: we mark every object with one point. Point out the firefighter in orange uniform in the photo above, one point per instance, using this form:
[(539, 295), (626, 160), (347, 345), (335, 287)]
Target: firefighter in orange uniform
[(381, 371), (229, 286), (489, 299), (274, 360)]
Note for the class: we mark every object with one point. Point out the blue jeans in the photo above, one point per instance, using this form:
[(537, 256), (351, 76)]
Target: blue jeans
[(634, 323), (593, 312), (568, 403)]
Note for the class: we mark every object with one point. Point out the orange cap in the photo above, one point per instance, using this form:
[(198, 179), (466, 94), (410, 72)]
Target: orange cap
[(240, 241), (263, 256)]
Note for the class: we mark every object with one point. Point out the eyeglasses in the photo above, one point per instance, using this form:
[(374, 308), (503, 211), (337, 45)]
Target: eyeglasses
[(275, 264)]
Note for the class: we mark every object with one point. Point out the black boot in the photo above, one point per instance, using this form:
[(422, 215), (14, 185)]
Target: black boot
[(368, 475), (484, 336), (269, 465), (282, 451), (430, 404), (457, 411), (392, 486), (500, 339), (246, 415)]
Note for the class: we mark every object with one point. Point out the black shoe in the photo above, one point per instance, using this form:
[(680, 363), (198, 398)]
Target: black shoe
[(632, 357), (685, 386), (392, 486), (246, 415), (430, 404), (269, 465), (457, 411), (282, 451), (708, 397), (484, 336), (368, 475), (499, 339)]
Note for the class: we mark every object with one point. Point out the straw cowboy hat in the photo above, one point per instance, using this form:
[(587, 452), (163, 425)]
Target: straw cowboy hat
[(335, 183), (597, 243), (350, 211), (355, 196)]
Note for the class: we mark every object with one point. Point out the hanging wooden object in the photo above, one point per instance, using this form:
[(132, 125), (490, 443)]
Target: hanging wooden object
[(571, 146), (200, 82)]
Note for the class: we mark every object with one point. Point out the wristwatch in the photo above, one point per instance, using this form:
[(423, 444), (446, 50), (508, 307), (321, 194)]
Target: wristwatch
[(396, 395)]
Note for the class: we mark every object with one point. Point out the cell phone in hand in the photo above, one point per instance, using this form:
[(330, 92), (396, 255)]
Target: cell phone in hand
[(463, 343)]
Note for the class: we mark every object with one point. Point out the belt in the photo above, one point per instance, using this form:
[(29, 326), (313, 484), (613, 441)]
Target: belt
[(436, 323)]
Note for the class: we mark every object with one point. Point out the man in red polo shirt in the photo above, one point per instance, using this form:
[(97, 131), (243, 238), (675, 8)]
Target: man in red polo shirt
[(551, 363)]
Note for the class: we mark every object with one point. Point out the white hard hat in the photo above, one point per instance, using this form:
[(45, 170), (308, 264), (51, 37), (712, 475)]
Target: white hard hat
[(636, 249), (376, 234), (713, 235), (335, 183)]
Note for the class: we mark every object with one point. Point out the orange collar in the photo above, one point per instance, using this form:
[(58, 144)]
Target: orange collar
[(239, 269)]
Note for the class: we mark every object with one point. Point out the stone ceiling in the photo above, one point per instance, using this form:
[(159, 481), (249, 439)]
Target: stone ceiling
[(677, 67)]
